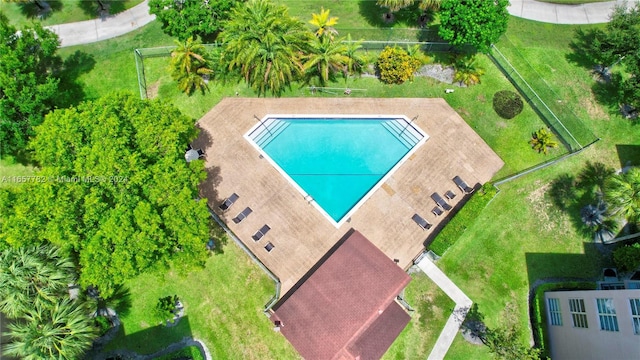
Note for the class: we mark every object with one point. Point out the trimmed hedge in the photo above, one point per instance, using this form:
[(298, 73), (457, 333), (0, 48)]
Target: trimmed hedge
[(463, 219), (507, 104), (189, 352), (538, 314)]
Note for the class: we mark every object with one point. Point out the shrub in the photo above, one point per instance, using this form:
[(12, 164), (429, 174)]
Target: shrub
[(627, 258), (165, 307), (542, 140), (463, 219), (507, 104), (396, 66)]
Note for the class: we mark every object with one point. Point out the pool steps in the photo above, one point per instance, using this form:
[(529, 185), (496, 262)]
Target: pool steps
[(403, 131)]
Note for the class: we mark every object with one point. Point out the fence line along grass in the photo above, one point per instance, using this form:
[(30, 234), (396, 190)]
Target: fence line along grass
[(532, 86), (463, 219)]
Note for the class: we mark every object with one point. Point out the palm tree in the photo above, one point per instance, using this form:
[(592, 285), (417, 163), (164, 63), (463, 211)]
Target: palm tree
[(394, 5), (542, 140), (355, 61), (622, 195), (433, 5), (189, 65), (325, 58), (63, 331), (467, 71), (265, 44), (324, 24), (32, 276), (594, 176)]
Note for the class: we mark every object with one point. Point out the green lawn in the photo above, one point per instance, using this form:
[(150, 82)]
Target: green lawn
[(432, 309), (63, 11), (223, 307), (519, 238)]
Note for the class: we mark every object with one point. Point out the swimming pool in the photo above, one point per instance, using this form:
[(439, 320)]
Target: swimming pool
[(336, 162)]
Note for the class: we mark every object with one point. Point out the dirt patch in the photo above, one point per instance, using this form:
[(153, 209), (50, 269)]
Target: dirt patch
[(481, 98), (152, 90), (463, 111), (502, 124), (593, 108)]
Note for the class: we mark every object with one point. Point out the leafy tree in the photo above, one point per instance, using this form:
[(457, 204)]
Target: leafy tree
[(478, 23), (192, 18), (396, 65), (324, 24), (325, 58), (467, 71), (28, 81), (33, 275), (265, 44), (622, 195), (189, 63), (166, 307), (542, 140), (119, 192), (627, 258), (61, 331)]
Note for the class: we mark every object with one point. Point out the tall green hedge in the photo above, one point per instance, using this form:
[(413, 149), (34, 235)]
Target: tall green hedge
[(538, 315), (463, 219)]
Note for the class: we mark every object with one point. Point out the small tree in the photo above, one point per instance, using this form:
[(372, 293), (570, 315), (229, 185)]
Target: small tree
[(622, 194), (507, 104), (627, 258), (396, 65), (467, 71), (189, 64), (165, 308), (478, 23), (324, 24), (192, 18), (542, 140)]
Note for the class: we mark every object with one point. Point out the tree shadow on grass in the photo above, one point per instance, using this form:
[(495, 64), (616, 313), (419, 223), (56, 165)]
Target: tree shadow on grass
[(102, 8), (580, 45), (609, 93), (39, 9), (376, 15), (74, 66)]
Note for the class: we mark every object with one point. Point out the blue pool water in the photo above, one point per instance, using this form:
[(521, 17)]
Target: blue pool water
[(336, 161)]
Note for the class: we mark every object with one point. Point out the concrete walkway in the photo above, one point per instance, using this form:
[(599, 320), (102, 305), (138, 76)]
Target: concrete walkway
[(463, 304), (592, 13), (90, 31)]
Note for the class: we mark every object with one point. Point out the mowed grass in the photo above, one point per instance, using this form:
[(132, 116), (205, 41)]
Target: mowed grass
[(432, 309), (223, 307), (63, 11)]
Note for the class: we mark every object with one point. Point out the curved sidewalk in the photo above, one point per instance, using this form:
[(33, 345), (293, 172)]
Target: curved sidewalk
[(592, 13), (90, 31)]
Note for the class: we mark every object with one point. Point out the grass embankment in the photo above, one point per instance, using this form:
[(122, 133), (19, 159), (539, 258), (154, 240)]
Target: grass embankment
[(62, 11)]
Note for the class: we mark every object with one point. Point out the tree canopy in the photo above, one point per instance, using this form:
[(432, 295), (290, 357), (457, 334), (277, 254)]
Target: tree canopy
[(191, 18), (265, 44), (29, 80), (622, 195), (189, 63), (115, 188), (478, 23)]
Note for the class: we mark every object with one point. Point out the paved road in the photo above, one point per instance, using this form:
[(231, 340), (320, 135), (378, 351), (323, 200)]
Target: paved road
[(593, 13), (90, 31)]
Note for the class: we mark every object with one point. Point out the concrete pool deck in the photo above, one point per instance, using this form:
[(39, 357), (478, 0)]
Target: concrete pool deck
[(300, 234)]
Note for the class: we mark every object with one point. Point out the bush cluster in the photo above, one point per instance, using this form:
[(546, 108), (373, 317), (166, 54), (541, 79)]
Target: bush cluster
[(463, 219), (507, 104), (627, 258), (396, 66)]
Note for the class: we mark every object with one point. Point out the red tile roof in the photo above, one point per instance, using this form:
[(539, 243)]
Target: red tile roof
[(344, 307)]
